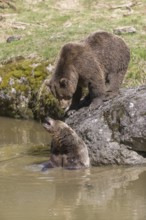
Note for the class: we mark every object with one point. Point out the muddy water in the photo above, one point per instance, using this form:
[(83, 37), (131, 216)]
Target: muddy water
[(104, 193)]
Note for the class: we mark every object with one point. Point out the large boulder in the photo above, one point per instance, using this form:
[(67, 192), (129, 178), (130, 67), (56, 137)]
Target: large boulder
[(115, 133)]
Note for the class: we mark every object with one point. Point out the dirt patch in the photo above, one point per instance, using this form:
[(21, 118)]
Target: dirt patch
[(68, 4), (34, 2)]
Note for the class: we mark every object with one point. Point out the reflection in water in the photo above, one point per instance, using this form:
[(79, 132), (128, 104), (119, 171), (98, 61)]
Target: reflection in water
[(21, 132), (18, 137), (102, 193)]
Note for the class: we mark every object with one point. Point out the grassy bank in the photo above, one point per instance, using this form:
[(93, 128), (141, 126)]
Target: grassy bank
[(44, 26)]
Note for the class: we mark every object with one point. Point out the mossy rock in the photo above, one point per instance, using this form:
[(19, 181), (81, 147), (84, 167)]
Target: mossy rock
[(21, 93)]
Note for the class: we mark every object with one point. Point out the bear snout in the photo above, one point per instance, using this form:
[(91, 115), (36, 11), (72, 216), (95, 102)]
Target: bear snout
[(47, 123)]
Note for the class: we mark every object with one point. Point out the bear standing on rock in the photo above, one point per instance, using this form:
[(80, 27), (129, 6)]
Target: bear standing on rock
[(68, 150), (98, 62)]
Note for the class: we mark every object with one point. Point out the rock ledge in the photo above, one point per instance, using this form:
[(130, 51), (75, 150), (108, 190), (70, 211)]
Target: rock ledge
[(115, 133)]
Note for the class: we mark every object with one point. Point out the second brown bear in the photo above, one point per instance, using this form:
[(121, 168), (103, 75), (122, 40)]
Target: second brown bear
[(98, 62)]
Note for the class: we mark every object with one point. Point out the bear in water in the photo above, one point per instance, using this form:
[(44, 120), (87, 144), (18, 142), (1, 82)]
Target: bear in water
[(67, 149), (98, 62)]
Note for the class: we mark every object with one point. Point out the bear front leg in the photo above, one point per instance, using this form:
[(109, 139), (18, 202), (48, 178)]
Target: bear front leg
[(47, 165), (55, 161), (76, 99)]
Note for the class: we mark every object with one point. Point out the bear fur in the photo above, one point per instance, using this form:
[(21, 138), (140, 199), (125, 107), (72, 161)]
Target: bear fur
[(98, 62), (67, 149)]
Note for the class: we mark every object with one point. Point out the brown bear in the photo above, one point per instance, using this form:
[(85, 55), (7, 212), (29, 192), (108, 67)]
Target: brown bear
[(98, 62), (67, 149)]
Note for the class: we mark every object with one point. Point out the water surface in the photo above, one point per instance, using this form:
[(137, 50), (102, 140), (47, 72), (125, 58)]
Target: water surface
[(104, 193)]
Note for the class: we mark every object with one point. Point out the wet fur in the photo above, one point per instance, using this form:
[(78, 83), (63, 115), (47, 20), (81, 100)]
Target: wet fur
[(67, 149)]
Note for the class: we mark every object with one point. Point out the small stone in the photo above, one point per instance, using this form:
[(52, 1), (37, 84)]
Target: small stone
[(1, 79), (13, 91), (50, 68), (124, 30), (13, 38), (34, 65), (23, 80), (11, 82)]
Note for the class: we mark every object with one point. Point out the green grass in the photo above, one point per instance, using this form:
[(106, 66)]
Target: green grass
[(46, 25)]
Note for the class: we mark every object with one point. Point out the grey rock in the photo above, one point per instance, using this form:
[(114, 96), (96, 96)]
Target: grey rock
[(13, 38), (124, 30), (115, 133)]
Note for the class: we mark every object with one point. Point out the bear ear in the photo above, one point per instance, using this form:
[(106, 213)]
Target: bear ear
[(63, 82)]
